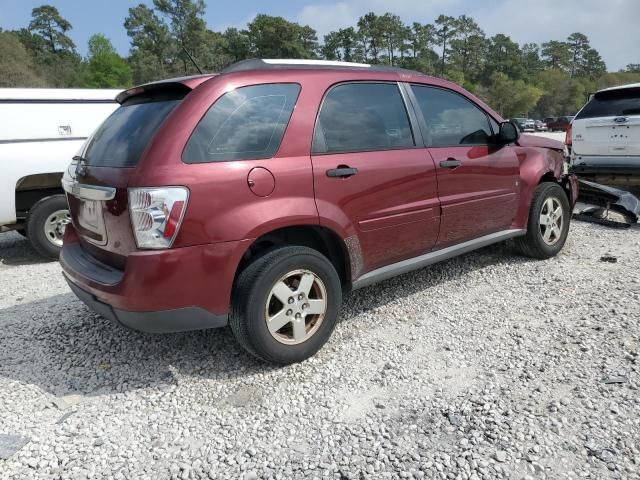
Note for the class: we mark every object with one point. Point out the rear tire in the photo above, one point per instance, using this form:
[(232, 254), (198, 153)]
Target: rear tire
[(548, 225), (45, 225), (285, 305)]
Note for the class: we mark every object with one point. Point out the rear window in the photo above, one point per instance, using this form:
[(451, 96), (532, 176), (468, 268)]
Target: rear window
[(244, 124), (124, 135), (614, 103)]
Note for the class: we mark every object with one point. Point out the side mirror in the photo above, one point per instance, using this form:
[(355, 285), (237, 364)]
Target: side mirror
[(508, 133)]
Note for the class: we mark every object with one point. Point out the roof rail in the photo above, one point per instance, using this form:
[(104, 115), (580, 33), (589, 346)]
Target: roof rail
[(272, 64)]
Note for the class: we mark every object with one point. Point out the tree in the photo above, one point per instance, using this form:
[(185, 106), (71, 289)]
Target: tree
[(16, 65), (48, 24), (422, 38), (562, 95), (445, 32), (504, 56), (592, 66), (633, 68), (352, 45), (468, 47), (188, 29), (371, 33), (152, 49), (106, 69), (238, 46), (578, 44), (556, 55), (511, 98), (275, 37), (331, 47), (392, 33), (531, 62)]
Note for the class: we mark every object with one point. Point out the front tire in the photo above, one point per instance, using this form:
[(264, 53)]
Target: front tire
[(46, 223), (548, 226), (285, 305)]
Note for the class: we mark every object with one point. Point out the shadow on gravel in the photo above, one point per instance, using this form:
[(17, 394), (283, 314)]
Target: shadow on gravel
[(16, 250), (406, 285), (62, 347), (59, 345)]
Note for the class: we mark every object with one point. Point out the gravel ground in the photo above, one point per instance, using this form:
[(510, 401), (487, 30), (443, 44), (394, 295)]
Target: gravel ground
[(485, 366)]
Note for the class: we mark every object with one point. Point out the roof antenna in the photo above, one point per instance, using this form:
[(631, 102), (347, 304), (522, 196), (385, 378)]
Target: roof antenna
[(192, 60)]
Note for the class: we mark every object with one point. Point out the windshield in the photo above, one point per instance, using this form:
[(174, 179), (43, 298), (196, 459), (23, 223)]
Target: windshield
[(123, 136), (614, 103)]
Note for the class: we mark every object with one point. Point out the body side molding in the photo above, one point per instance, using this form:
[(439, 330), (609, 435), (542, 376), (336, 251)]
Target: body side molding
[(430, 258)]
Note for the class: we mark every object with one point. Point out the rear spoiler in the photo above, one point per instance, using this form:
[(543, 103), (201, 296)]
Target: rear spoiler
[(152, 89), (176, 86)]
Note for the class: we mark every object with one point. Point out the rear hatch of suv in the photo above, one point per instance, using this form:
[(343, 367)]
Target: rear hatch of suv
[(96, 181), (609, 124)]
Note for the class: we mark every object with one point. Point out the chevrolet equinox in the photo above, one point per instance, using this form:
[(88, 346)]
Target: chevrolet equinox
[(256, 197)]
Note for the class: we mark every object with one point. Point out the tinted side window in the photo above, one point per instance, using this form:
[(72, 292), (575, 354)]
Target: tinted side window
[(362, 117), (244, 124), (615, 103), (451, 119)]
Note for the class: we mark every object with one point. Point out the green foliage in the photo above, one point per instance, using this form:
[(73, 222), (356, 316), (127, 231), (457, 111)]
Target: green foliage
[(563, 95), (275, 37), (47, 25), (16, 65), (169, 37), (106, 69), (511, 98), (152, 51)]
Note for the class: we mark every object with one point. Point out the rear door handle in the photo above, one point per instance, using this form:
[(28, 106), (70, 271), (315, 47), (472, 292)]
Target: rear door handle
[(342, 171), (450, 163)]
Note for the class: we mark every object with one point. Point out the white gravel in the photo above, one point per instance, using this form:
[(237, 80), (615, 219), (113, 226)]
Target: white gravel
[(486, 366)]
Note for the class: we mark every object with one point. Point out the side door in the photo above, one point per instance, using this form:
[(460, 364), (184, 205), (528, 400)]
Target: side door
[(477, 179), (372, 179)]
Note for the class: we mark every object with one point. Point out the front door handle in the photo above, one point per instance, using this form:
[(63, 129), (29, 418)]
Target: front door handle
[(450, 163), (343, 171)]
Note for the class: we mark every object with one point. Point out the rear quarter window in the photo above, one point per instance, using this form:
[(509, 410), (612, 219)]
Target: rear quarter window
[(244, 124), (614, 103)]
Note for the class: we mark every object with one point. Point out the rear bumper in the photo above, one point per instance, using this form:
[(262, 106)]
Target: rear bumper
[(617, 171), (164, 321), (157, 291), (584, 165)]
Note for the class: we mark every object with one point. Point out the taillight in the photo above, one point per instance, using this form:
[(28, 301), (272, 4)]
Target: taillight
[(156, 214), (567, 137)]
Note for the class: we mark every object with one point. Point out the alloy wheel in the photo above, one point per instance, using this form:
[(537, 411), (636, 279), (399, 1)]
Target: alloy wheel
[(296, 307), (551, 221)]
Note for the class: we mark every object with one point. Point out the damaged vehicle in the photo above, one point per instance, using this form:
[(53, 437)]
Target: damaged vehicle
[(604, 146), (604, 138), (257, 197)]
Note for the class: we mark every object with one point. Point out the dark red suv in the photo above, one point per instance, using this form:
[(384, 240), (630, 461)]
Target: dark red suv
[(258, 196)]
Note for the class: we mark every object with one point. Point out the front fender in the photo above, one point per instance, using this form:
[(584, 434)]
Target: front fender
[(536, 165)]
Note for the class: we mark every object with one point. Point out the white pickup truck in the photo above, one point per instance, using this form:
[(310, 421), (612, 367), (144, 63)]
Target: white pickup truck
[(40, 131)]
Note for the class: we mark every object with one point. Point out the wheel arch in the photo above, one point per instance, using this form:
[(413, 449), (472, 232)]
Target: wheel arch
[(32, 189), (320, 238), (537, 165)]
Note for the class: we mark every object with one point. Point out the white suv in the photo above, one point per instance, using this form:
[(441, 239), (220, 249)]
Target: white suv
[(604, 137)]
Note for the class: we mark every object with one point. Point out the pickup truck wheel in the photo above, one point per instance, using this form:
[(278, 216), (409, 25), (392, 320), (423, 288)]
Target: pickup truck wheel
[(285, 305), (548, 224), (46, 224)]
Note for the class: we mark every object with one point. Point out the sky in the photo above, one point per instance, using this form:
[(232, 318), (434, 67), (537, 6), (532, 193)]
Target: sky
[(611, 25)]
